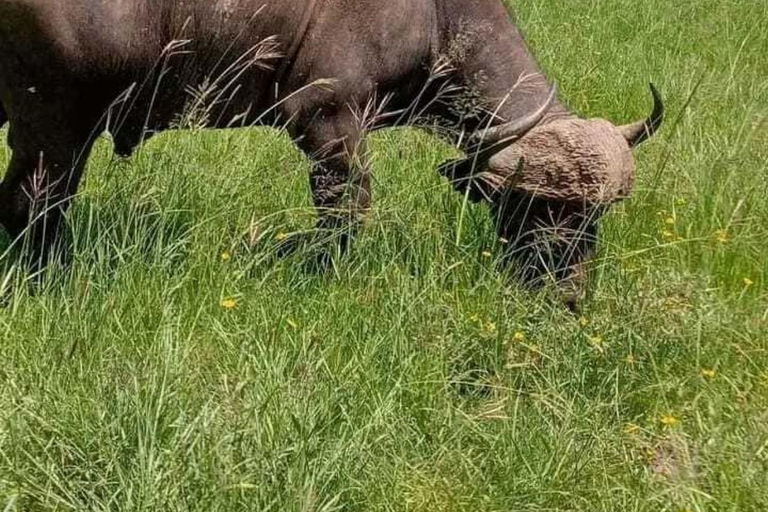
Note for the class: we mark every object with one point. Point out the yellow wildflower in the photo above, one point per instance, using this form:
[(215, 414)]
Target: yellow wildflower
[(292, 324), (475, 318), (281, 236), (226, 256), (597, 343), (519, 336), (748, 282), (631, 359), (669, 421), (229, 304), (487, 254), (721, 235), (670, 221), (583, 321), (667, 234), (490, 327), (708, 373)]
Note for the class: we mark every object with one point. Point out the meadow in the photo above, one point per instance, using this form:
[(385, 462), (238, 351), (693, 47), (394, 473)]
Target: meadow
[(170, 367)]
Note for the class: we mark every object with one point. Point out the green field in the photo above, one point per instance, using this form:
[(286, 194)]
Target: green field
[(172, 369)]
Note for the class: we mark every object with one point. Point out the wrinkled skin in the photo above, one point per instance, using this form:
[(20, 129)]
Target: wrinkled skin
[(72, 69)]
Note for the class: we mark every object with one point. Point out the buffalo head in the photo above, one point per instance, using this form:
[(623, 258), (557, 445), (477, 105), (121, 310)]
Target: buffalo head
[(548, 181)]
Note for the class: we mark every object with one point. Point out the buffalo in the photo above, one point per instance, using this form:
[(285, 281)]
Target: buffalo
[(328, 71)]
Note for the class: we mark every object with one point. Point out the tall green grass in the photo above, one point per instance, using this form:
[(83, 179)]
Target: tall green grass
[(413, 376)]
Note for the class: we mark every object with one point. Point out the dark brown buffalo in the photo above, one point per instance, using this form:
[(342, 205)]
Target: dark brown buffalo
[(326, 70)]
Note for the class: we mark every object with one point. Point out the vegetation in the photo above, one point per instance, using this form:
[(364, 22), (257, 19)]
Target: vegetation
[(172, 368)]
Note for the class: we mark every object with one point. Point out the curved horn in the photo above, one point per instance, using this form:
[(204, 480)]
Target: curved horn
[(517, 128), (639, 132)]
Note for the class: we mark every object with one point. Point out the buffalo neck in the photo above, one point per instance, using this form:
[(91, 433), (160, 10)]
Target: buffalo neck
[(493, 61)]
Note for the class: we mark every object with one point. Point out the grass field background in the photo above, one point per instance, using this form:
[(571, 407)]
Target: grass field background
[(170, 369)]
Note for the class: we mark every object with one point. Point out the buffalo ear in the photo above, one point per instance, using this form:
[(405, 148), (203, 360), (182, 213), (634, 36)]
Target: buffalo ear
[(476, 186)]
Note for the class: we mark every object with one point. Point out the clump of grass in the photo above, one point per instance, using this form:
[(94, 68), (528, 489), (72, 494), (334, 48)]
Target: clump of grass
[(172, 368)]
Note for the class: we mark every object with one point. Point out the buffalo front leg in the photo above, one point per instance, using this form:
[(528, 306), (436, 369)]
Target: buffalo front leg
[(339, 179), (37, 191), (341, 192)]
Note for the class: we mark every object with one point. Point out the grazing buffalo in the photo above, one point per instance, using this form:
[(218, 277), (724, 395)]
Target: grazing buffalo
[(326, 70)]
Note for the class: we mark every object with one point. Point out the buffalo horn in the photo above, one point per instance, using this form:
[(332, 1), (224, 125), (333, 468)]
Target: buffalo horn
[(639, 132), (517, 128)]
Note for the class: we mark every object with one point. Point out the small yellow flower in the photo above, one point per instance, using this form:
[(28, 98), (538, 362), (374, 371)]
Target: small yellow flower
[(631, 359), (475, 318), (519, 336), (490, 327), (721, 235), (631, 429), (583, 321), (669, 421), (292, 324), (229, 304), (597, 343), (708, 373), (748, 282), (668, 234), (487, 254), (281, 236), (226, 256), (670, 221), (682, 201)]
